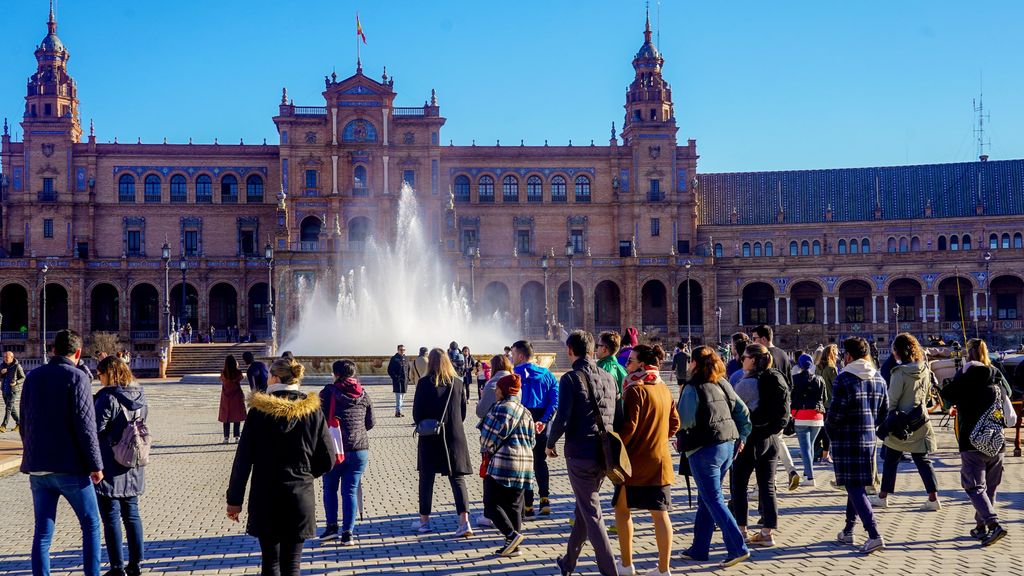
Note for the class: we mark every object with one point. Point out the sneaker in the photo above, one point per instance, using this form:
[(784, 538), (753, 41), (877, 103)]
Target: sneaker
[(624, 570), (329, 533), (421, 526), (528, 512), (511, 544), (227, 440), (845, 537), (734, 560), (16, 428), (810, 482), (655, 572), (979, 531), (761, 540), (561, 569), (994, 535), (513, 554), (827, 459), (690, 557), (114, 572), (237, 438), (931, 506), (398, 414), (873, 545), (132, 570), (794, 481), (347, 539), (482, 520), (877, 502), (3, 429), (545, 507), (464, 531)]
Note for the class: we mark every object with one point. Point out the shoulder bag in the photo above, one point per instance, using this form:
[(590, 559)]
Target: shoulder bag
[(616, 461), (987, 435), (334, 429), (431, 426)]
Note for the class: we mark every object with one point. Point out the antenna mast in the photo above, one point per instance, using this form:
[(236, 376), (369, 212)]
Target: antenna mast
[(979, 130)]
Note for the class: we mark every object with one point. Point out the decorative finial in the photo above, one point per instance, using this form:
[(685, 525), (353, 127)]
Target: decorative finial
[(515, 251), (433, 97), (384, 77), (140, 140), (92, 128), (337, 226), (165, 139), (215, 141), (284, 96), (6, 130), (359, 65), (613, 130), (334, 76), (190, 140), (241, 141)]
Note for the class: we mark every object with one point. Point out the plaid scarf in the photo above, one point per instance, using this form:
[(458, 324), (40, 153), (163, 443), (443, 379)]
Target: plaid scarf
[(649, 375)]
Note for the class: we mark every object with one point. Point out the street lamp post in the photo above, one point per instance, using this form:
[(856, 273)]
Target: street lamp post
[(165, 255), (544, 263), (268, 254), (46, 270), (988, 296), (689, 329), (718, 317), (569, 252), (473, 255), (895, 321), (183, 265)]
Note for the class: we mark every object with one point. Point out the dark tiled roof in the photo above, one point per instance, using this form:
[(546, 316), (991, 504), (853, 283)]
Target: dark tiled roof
[(902, 190)]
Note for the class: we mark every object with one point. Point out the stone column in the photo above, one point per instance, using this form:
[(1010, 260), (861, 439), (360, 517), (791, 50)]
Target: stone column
[(824, 309), (777, 310), (386, 189), (938, 320), (885, 308), (974, 311), (385, 112), (739, 301), (334, 126), (836, 301), (789, 311), (334, 172), (874, 308)]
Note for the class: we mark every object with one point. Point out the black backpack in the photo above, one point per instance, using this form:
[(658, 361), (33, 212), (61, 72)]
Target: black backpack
[(772, 387)]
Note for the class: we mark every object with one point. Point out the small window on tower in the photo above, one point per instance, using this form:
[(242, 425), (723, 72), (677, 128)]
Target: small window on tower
[(654, 114), (48, 228), (47, 110)]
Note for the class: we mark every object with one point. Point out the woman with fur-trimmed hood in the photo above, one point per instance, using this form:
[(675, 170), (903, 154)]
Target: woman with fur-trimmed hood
[(284, 445)]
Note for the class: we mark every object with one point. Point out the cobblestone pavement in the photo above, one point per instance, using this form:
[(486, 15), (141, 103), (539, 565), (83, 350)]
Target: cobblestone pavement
[(187, 533)]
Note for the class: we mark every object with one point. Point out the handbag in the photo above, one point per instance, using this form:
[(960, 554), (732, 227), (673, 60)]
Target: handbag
[(334, 429), (431, 426), (987, 435), (616, 461)]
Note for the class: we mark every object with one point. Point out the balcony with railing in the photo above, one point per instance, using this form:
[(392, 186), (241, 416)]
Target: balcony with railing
[(361, 191), (13, 335), (310, 110), (47, 196), (137, 335), (415, 112), (309, 246)]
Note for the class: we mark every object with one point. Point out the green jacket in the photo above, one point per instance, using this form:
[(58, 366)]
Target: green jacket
[(610, 365)]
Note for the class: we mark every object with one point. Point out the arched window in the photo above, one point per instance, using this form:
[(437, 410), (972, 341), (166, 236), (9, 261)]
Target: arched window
[(126, 188), (993, 241), (179, 189), (582, 189), (841, 247), (757, 249), (229, 189), (534, 189), (865, 246), (485, 189), (954, 242), (1018, 240), (965, 242), (558, 189), (359, 131), (358, 232), (204, 189), (746, 250), (1005, 241), (461, 186), (769, 250), (816, 248), (151, 188), (915, 244), (904, 244), (254, 189), (718, 251), (942, 243), (890, 245), (805, 248), (854, 246), (510, 189), (794, 249)]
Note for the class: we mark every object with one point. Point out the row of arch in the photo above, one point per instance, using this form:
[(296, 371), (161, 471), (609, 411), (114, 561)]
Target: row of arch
[(801, 248), (153, 183), (557, 187), (144, 306)]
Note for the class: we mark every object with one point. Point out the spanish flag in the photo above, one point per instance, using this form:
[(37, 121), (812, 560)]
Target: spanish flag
[(359, 29)]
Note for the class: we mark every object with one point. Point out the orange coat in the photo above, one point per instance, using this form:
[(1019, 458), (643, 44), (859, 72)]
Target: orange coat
[(650, 420)]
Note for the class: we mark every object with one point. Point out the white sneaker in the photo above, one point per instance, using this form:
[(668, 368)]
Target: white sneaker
[(931, 506), (809, 482), (655, 572), (625, 570), (877, 502), (464, 531), (873, 544), (845, 538), (482, 520), (420, 526)]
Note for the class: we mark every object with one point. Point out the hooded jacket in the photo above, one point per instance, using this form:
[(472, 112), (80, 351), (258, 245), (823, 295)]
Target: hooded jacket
[(859, 404), (354, 414), (113, 404), (284, 446)]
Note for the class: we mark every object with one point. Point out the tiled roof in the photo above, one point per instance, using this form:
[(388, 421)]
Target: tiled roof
[(953, 190)]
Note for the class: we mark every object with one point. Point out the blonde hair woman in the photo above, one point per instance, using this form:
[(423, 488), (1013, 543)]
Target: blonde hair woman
[(440, 397)]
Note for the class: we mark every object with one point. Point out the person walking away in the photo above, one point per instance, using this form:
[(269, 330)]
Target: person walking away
[(439, 397), (118, 404), (507, 437), (232, 399), (714, 424), (418, 366), (680, 361), (764, 335), (632, 339), (457, 359), (469, 369), (61, 451), (585, 394), (607, 348), (808, 404), (540, 396), (909, 383), (859, 403), (826, 368), (256, 373), (12, 377), (284, 447), (650, 420), (398, 370), (759, 454), (347, 401), (975, 392)]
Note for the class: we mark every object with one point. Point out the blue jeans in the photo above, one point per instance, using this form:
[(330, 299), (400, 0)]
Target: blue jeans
[(399, 398), (708, 466), (78, 490), (347, 475), (806, 435), (112, 511)]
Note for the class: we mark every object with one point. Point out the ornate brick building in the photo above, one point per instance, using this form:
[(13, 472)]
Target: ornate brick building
[(821, 253)]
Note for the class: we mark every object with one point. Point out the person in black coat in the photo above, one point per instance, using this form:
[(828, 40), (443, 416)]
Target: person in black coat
[(284, 445), (440, 396), (118, 493), (398, 370)]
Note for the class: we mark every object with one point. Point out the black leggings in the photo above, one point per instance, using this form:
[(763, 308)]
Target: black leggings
[(238, 428), (459, 492), (280, 558)]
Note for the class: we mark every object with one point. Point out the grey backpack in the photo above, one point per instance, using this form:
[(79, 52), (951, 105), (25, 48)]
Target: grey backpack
[(132, 449)]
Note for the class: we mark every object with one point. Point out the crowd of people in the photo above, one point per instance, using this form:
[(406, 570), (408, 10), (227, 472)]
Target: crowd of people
[(726, 420)]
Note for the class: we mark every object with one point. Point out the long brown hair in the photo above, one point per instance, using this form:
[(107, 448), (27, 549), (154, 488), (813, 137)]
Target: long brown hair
[(439, 366), (231, 371), (500, 362), (709, 366), (977, 351), (907, 348), (829, 357), (118, 373)]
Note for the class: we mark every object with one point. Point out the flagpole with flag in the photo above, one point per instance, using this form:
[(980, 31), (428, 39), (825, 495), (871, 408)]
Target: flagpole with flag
[(359, 35)]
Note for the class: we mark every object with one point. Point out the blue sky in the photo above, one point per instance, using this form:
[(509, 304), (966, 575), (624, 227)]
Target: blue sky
[(760, 85)]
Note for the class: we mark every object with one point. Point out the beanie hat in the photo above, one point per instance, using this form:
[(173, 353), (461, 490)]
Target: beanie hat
[(510, 385), (631, 335), (804, 361)]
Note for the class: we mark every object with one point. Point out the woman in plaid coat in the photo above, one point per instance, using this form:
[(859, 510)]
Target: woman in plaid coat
[(859, 403)]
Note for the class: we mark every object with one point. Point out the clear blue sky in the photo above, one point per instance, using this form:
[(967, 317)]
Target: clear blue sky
[(760, 85)]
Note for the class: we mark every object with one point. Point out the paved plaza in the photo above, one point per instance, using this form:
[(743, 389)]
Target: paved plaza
[(187, 532)]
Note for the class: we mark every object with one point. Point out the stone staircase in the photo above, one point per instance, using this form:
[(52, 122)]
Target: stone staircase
[(207, 358), (555, 347)]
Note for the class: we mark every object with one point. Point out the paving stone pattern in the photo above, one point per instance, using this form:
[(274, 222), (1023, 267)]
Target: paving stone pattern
[(187, 532)]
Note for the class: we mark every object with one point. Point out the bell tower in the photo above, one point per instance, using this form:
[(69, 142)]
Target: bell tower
[(52, 97), (649, 97)]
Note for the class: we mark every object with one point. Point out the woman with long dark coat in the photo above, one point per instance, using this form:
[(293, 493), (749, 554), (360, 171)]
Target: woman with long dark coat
[(440, 396), (232, 398)]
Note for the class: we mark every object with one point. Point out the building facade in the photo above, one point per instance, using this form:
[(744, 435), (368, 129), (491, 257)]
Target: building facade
[(135, 238)]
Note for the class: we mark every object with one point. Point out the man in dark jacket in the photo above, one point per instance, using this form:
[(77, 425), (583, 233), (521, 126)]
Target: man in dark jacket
[(398, 370), (764, 335), (12, 376), (62, 451), (576, 419), (257, 373)]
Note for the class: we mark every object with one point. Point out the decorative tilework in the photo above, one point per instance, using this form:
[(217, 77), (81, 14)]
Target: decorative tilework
[(522, 171), (830, 282), (80, 178), (359, 131), (929, 279), (624, 179), (191, 170), (781, 282), (879, 280), (17, 179), (360, 103), (681, 179), (980, 277)]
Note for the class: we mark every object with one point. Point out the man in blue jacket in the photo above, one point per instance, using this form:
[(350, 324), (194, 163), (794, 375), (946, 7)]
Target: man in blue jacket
[(539, 395), (61, 450)]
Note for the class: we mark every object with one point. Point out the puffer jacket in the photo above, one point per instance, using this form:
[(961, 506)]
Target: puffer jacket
[(354, 414), (808, 400), (113, 403)]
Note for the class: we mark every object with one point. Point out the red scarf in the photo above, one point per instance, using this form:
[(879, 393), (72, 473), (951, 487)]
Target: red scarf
[(649, 375), (350, 387)]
